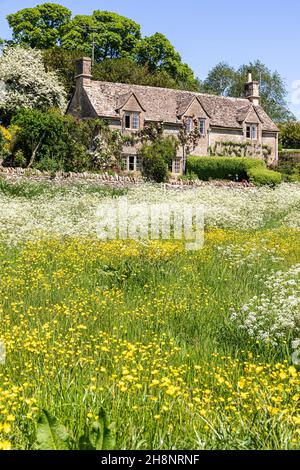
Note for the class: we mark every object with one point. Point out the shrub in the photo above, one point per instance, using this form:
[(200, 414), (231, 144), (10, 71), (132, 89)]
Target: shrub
[(19, 159), (157, 157), (289, 136), (51, 141), (231, 168), (263, 176), (289, 165)]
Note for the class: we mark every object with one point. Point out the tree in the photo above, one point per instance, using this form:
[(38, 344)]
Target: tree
[(156, 158), (160, 55), (220, 80), (26, 84), (62, 62), (290, 135), (39, 27), (225, 80), (113, 35), (52, 141), (126, 70), (188, 139)]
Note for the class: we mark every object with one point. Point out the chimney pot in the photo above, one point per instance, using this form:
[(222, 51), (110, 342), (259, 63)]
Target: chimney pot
[(252, 91), (83, 73)]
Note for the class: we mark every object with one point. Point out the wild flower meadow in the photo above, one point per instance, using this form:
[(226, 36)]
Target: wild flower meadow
[(183, 349)]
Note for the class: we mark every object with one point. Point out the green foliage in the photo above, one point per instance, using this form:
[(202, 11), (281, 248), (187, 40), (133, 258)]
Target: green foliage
[(51, 435), (229, 168), (61, 62), (220, 80), (264, 177), (39, 27), (126, 70), (2, 144), (289, 136), (157, 157), (107, 148), (240, 149), (29, 189), (227, 81), (159, 54), (289, 165), (121, 55), (100, 435), (21, 189), (114, 35), (52, 141), (19, 159)]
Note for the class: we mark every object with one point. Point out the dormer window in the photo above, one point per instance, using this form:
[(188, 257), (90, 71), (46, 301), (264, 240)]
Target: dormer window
[(132, 121), (251, 131)]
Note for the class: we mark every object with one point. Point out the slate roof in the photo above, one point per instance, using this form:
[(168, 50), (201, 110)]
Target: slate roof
[(164, 104)]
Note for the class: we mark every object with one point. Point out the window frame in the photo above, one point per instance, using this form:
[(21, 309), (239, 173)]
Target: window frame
[(252, 131), (202, 121), (189, 124), (131, 163), (134, 119), (176, 166)]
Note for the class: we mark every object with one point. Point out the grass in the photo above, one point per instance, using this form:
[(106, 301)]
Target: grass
[(31, 189), (144, 331)]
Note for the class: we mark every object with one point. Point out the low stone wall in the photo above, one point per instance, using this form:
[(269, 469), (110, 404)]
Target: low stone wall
[(17, 174)]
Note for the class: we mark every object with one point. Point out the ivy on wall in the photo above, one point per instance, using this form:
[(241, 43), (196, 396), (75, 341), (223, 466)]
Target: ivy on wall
[(240, 149)]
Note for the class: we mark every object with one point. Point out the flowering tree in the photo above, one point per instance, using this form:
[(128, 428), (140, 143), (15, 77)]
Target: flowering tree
[(26, 84)]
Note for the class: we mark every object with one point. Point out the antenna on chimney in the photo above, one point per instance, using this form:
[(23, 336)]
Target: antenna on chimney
[(93, 31)]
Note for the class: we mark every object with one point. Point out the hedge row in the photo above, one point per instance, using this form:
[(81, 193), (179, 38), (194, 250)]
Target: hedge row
[(261, 177), (232, 168)]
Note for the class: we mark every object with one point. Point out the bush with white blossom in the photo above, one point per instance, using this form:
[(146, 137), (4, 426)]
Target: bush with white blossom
[(25, 83)]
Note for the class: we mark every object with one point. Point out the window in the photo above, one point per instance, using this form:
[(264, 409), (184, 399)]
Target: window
[(132, 121), (254, 132), (177, 166), (251, 131), (189, 124), (131, 163), (202, 126), (127, 121), (136, 121)]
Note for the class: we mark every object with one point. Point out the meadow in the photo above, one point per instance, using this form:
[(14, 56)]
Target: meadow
[(183, 349)]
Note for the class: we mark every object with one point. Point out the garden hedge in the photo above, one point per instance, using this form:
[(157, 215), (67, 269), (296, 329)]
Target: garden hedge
[(230, 168), (261, 177)]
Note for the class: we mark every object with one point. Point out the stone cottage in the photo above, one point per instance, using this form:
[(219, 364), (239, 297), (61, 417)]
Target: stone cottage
[(224, 124)]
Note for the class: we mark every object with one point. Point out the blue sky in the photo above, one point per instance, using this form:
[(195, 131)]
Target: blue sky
[(207, 32)]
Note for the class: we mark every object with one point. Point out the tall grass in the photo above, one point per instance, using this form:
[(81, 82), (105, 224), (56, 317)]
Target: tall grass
[(144, 331)]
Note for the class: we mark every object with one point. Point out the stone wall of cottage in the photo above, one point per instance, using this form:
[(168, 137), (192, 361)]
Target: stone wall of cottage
[(272, 141)]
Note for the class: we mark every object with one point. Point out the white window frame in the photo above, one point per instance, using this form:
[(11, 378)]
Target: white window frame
[(202, 130), (134, 121), (176, 170), (253, 131), (189, 124)]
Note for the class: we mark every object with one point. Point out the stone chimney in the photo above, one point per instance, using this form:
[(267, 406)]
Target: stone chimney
[(252, 90), (83, 73)]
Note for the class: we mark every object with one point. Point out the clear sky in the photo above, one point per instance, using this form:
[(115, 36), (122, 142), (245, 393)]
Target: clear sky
[(207, 32)]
